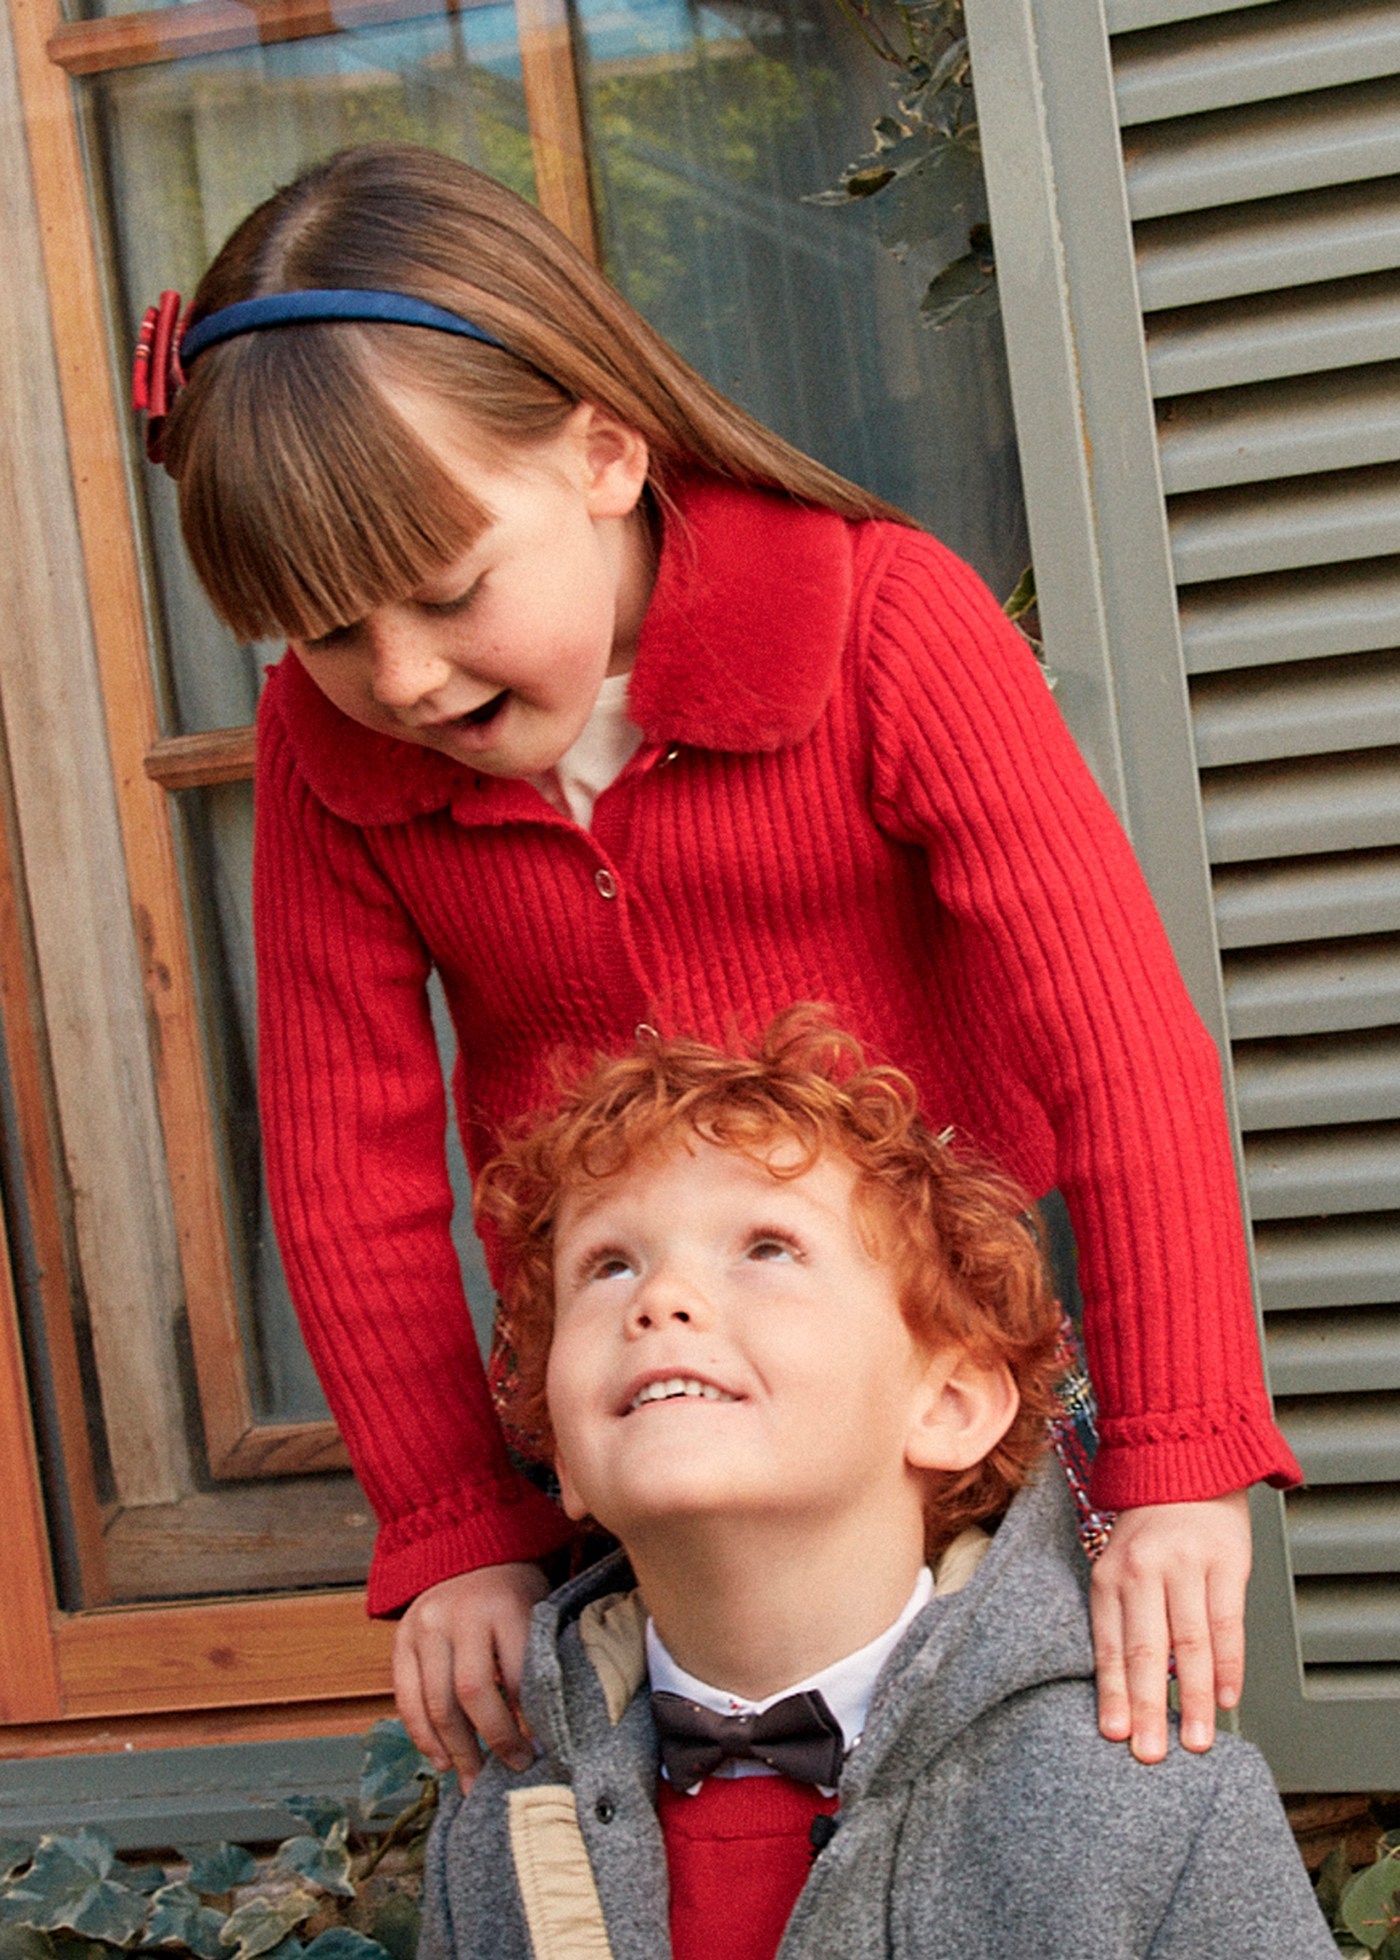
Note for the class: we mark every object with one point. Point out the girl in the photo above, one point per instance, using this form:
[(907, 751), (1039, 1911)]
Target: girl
[(624, 716)]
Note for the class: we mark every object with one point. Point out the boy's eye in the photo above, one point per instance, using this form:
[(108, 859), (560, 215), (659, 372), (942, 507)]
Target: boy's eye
[(607, 1265), (771, 1245)]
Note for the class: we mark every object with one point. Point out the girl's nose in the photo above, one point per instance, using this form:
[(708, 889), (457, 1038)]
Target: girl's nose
[(405, 665), (668, 1294)]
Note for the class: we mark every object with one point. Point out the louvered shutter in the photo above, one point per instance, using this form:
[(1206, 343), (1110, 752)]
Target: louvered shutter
[(1197, 215)]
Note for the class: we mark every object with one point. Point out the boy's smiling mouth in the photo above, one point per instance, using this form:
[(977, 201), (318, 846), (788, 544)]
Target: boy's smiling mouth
[(669, 1388)]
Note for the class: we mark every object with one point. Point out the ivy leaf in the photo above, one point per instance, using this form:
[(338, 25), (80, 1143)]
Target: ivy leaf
[(217, 1868), (340, 1943), (260, 1925), (319, 1814), (1369, 1910), (68, 1887), (147, 1879), (395, 1925), (323, 1862), (14, 1856), (391, 1766), (938, 198), (23, 1943), (179, 1917), (967, 287), (1389, 1949)]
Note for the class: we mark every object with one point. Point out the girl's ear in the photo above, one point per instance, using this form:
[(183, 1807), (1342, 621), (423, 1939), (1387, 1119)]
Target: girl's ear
[(615, 460), (962, 1409)]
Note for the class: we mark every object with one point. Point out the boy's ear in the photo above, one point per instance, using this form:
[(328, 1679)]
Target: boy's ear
[(616, 458), (962, 1409)]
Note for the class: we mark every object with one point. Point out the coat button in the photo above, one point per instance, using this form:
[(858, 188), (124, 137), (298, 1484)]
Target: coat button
[(605, 1810), (605, 882), (644, 1031)]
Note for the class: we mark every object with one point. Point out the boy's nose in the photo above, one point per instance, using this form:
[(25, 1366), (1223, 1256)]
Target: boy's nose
[(665, 1296)]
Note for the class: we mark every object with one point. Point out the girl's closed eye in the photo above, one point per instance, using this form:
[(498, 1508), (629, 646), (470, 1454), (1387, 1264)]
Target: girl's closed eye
[(452, 608)]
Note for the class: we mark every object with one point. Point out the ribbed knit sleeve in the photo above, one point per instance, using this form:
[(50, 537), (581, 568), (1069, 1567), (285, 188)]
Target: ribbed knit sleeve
[(354, 1122), (1055, 972)]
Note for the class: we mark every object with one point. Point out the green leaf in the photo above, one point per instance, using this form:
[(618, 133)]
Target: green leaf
[(391, 1767), (68, 1887), (260, 1925), (147, 1879), (324, 1862), (23, 1943), (217, 1868), (14, 1856), (1333, 1877), (1390, 1949), (340, 1943), (1369, 1909), (318, 1814), (966, 288), (1022, 599), (179, 1917), (395, 1925), (936, 199)]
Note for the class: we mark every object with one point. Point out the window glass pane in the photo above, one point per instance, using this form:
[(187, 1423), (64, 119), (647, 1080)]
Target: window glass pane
[(708, 127)]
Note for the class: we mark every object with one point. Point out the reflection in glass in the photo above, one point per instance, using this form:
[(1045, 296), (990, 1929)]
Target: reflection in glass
[(186, 151), (709, 125)]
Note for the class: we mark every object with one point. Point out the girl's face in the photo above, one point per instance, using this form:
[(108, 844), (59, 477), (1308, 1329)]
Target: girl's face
[(497, 659)]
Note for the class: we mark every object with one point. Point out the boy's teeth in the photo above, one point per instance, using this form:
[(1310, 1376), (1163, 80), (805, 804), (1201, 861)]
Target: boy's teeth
[(687, 1385)]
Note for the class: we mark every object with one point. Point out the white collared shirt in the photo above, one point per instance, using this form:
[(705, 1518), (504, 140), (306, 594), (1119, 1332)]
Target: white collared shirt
[(846, 1685), (604, 746)]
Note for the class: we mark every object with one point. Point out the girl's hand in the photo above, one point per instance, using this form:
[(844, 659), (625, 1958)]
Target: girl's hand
[(458, 1653), (1172, 1580)]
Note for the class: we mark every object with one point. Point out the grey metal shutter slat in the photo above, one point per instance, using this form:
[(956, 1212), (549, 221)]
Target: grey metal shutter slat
[(1331, 1262), (1185, 69), (1315, 898), (1345, 1530), (1306, 1173), (1268, 336), (1295, 427), (1350, 1078), (1124, 14), (1345, 1439), (1270, 245), (1349, 1620), (1263, 714), (1318, 803), (1264, 149), (1272, 527), (1296, 615), (1323, 989), (1339, 1354)]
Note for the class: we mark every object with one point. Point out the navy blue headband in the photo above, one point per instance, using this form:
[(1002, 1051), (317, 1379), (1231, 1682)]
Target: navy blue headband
[(330, 303)]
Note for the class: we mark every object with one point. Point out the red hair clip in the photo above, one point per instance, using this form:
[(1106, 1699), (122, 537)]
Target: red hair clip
[(156, 374)]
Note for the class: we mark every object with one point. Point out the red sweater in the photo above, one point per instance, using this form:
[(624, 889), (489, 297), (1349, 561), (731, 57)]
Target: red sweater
[(853, 787), (737, 1854)]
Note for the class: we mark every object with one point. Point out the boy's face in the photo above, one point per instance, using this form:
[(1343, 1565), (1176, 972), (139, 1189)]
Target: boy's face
[(727, 1345)]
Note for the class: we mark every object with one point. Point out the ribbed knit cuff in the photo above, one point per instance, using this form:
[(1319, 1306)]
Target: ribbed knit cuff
[(1185, 1458), (502, 1527)]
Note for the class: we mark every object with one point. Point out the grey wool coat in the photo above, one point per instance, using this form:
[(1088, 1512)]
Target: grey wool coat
[(981, 1812)]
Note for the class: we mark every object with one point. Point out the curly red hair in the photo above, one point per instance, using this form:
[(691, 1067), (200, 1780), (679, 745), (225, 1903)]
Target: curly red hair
[(960, 1238)]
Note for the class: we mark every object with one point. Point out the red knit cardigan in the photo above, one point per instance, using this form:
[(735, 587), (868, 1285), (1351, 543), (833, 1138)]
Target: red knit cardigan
[(853, 787)]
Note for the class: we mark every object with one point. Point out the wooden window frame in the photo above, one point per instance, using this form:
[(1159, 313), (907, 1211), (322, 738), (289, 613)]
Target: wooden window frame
[(304, 1663)]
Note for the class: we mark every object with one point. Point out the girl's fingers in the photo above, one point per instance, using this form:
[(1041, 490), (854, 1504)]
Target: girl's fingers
[(1225, 1592), (1106, 1616), (1145, 1647), (1190, 1638)]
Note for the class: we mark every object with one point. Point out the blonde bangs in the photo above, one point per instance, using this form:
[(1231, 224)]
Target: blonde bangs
[(319, 501)]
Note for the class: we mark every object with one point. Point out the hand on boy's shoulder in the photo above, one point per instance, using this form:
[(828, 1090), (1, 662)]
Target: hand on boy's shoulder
[(458, 1653), (1172, 1581)]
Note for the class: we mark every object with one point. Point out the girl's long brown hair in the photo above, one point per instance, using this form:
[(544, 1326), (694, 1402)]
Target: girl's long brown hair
[(307, 499)]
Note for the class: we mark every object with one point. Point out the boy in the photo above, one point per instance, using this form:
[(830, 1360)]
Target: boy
[(794, 1351)]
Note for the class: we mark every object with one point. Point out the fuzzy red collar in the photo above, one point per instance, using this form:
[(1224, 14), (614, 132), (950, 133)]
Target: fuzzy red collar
[(739, 650)]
